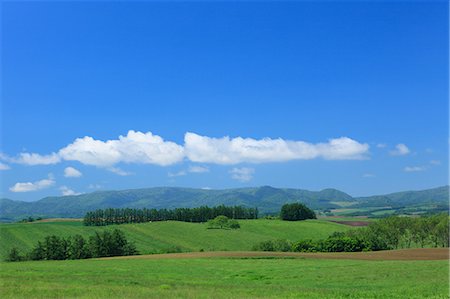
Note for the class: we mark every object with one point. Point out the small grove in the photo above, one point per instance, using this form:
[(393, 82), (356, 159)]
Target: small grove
[(201, 214), (389, 233), (102, 244)]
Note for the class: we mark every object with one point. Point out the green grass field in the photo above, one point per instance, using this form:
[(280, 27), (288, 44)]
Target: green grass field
[(161, 236), (225, 278)]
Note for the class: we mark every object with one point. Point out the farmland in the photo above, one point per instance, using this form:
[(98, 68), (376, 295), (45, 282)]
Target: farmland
[(169, 236), (238, 277)]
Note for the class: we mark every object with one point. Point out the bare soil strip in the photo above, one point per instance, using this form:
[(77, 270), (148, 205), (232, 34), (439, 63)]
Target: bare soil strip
[(352, 223), (400, 255)]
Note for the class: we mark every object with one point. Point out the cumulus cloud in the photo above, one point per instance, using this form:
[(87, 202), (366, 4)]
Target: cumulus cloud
[(243, 174), (135, 147), (400, 150), (147, 148), (228, 150), (70, 172), (66, 191), (414, 168), (4, 166), (33, 186)]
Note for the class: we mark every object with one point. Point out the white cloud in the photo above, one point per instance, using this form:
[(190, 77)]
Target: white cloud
[(4, 166), (224, 150), (243, 174), (198, 169), (66, 191), (381, 145), (146, 148), (175, 174), (36, 159), (368, 175), (136, 147), (400, 150), (29, 186), (70, 172), (414, 168), (435, 162), (119, 171)]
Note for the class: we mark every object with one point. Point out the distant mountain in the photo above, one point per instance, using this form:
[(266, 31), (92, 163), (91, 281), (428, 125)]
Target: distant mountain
[(438, 195), (266, 198)]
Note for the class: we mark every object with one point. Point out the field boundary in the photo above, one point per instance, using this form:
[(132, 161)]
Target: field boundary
[(415, 254)]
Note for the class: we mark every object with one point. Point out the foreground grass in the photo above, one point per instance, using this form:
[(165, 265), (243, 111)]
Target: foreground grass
[(225, 278), (165, 236)]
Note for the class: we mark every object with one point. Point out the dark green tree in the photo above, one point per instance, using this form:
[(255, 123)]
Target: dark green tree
[(296, 211)]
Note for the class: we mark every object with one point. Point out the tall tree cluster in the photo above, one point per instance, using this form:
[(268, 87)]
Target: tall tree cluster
[(201, 214), (102, 244), (296, 211)]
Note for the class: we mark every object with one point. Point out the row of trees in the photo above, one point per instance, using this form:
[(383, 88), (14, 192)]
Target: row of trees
[(200, 214), (101, 244), (389, 233)]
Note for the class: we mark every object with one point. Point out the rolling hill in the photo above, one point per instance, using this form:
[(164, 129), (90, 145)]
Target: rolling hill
[(267, 199), (153, 237)]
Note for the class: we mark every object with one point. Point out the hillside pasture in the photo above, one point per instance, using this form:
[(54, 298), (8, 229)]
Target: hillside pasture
[(172, 236)]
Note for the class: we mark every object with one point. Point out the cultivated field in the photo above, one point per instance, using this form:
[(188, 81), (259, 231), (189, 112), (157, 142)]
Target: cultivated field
[(173, 235), (237, 277)]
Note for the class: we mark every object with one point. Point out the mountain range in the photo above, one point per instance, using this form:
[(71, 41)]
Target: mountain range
[(267, 199)]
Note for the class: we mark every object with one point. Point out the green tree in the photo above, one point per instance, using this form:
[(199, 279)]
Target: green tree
[(296, 211)]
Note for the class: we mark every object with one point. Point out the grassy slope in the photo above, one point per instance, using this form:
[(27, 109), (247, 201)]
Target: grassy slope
[(157, 236), (225, 278)]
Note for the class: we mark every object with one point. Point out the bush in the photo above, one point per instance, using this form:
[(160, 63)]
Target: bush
[(296, 211), (273, 245), (223, 222), (14, 255)]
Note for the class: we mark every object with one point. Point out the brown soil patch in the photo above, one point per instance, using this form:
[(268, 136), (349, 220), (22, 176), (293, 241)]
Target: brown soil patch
[(352, 223), (400, 255)]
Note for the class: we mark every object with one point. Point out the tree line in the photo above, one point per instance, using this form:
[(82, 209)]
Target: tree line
[(101, 244), (389, 233), (201, 214)]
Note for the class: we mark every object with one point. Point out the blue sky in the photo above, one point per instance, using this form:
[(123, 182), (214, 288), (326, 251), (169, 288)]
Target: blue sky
[(348, 95)]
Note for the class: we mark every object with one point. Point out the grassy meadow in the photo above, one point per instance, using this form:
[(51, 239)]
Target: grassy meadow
[(167, 235), (225, 278)]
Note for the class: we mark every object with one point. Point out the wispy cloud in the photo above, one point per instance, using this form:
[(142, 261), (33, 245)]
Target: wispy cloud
[(119, 171), (435, 162), (368, 175), (400, 150), (4, 166), (414, 168), (243, 174)]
